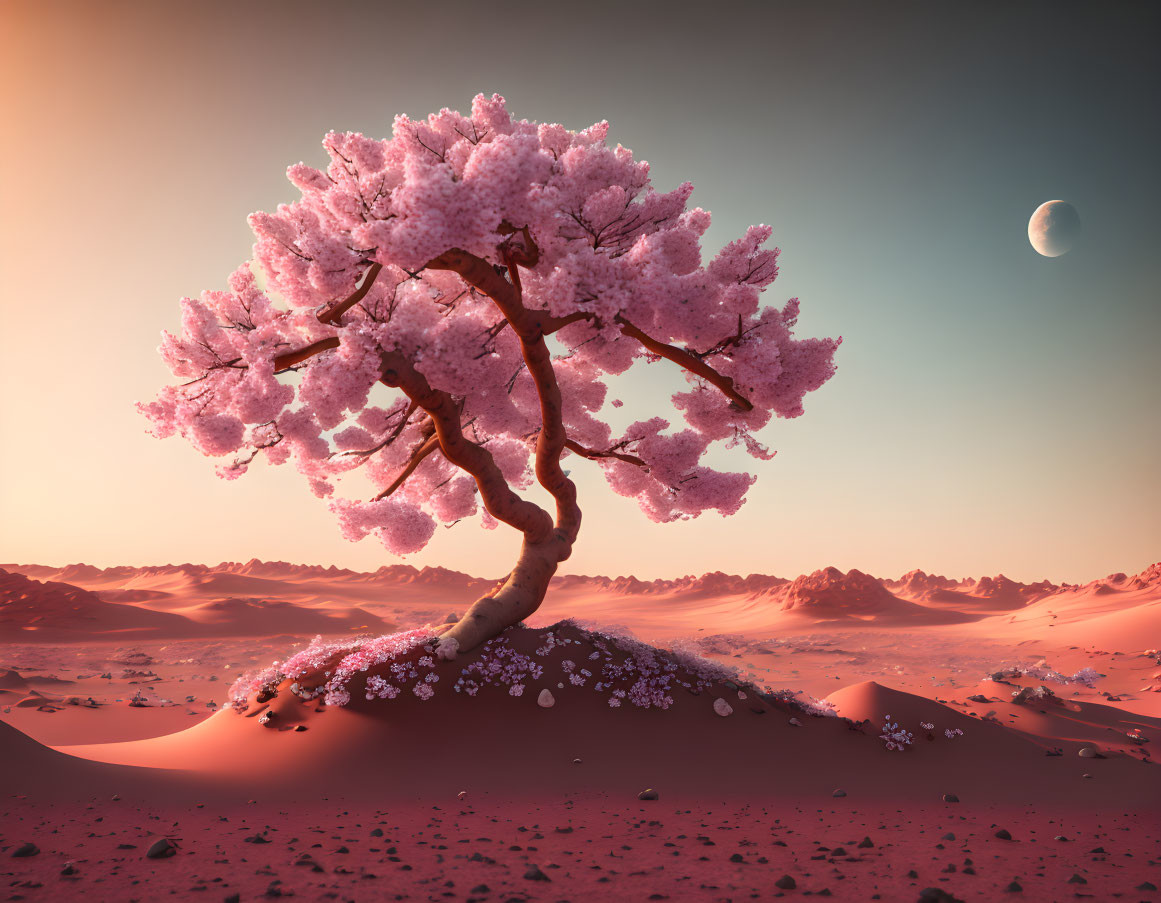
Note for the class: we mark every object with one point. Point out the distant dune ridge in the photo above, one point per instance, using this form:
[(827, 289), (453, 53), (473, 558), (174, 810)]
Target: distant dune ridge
[(40, 603)]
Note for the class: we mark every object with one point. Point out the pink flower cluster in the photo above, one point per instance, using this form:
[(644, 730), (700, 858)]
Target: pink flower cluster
[(611, 248), (895, 737), (498, 665)]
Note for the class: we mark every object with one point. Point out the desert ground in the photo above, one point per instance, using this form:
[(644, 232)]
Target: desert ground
[(835, 735)]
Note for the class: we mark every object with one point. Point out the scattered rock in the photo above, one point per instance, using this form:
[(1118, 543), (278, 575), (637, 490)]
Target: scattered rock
[(937, 895), (795, 722), (839, 793), (950, 798), (1003, 834), (545, 700), (161, 849), (1014, 888), (461, 794), (1077, 879), (786, 883), (256, 838), (535, 874), (722, 707), (866, 843), (576, 761), (26, 849), (300, 728), (649, 794), (266, 719), (1089, 752)]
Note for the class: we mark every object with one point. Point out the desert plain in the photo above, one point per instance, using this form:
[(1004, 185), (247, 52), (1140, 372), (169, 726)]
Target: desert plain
[(836, 735)]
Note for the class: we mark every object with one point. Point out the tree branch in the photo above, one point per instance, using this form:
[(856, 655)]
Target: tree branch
[(283, 361), (499, 499), (592, 454), (684, 359), (527, 325), (391, 438), (687, 361), (425, 449), (334, 312)]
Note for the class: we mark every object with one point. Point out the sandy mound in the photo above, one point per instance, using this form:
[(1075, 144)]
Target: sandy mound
[(309, 720), (241, 616), (11, 680)]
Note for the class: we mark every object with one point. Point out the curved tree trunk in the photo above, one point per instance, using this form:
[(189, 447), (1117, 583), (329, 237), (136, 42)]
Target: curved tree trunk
[(519, 596)]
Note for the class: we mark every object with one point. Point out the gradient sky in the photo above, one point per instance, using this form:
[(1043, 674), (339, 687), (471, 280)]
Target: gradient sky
[(993, 410)]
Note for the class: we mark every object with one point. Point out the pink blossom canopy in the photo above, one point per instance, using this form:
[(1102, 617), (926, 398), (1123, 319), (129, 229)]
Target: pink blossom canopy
[(616, 277)]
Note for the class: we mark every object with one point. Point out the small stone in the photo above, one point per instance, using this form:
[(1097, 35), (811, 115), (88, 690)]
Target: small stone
[(950, 798), (535, 874), (545, 700), (786, 883), (1003, 834), (576, 761), (461, 794), (937, 895), (377, 832), (949, 836), (794, 722), (256, 838), (161, 849), (1089, 752), (1060, 837), (299, 728), (866, 843), (1077, 879), (1014, 888), (27, 849), (649, 794), (722, 707), (1147, 885), (838, 793)]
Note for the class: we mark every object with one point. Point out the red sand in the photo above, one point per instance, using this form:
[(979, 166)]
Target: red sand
[(914, 649)]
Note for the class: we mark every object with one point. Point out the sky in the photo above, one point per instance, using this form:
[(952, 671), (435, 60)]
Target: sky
[(993, 410)]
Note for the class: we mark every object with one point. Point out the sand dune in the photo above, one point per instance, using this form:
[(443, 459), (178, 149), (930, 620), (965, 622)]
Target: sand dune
[(35, 611)]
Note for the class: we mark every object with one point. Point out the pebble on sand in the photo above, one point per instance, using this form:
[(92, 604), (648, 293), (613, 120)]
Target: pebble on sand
[(161, 849)]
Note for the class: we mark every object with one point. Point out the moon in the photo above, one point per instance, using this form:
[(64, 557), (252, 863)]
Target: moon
[(1054, 228)]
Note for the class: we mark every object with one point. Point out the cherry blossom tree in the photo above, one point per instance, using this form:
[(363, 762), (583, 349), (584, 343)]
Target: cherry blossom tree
[(449, 305)]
